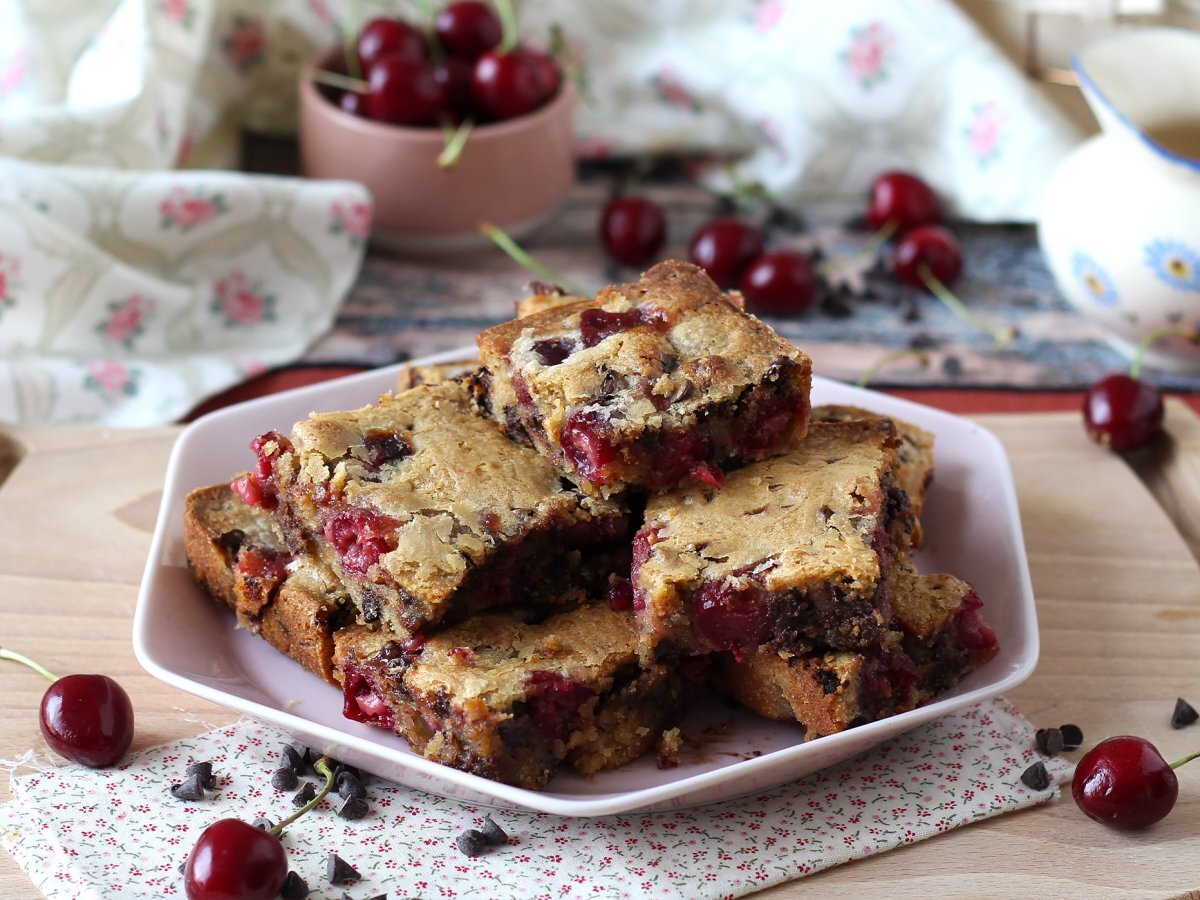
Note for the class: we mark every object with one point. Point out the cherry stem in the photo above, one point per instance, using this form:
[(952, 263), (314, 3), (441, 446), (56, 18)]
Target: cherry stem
[(322, 767), (24, 660), (522, 256), (508, 25), (1000, 335), (345, 82), (889, 358), (866, 251), (456, 142), (1188, 758), (350, 41), (1190, 334)]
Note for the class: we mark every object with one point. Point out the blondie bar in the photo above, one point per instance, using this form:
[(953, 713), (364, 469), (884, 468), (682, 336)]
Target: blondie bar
[(647, 384)]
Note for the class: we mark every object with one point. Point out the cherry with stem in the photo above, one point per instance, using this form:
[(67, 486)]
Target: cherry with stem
[(524, 258), (1124, 782), (887, 359)]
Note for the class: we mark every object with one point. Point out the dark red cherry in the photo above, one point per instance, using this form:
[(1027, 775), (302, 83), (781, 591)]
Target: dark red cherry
[(730, 618), (724, 247), (1122, 412), (390, 37), (1124, 782), (233, 860), (403, 92), (354, 103), (454, 75), (779, 283), (632, 229), (507, 85), (932, 246), (468, 29), (904, 199), (88, 719)]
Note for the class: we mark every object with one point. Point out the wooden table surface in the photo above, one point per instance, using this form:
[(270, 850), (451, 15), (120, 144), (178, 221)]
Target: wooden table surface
[(1116, 580)]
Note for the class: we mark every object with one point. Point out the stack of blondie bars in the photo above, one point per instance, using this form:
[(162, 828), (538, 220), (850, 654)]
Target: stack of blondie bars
[(537, 558)]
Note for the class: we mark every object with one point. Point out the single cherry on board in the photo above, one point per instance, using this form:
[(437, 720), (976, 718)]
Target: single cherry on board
[(902, 202), (779, 282), (723, 247), (86, 718), (632, 229), (1124, 782)]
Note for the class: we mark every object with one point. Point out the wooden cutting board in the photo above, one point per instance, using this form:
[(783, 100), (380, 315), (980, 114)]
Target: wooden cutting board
[(1114, 571)]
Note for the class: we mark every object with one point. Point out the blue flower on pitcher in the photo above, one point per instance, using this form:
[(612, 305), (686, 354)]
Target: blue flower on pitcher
[(1175, 263), (1095, 280)]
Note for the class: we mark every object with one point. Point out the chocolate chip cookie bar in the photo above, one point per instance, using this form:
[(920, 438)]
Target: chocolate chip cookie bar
[(511, 700), (792, 553), (646, 385), (428, 513)]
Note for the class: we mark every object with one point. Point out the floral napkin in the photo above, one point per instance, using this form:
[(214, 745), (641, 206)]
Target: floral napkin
[(80, 833)]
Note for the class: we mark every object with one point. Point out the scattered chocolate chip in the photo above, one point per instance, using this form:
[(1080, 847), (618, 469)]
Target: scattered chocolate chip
[(472, 842), (183, 866), (204, 770), (263, 823), (1072, 736), (493, 833), (353, 808), (284, 779), (1049, 741), (370, 606), (348, 785), (338, 870), (293, 759), (784, 219), (952, 366), (922, 340), (192, 788), (305, 794), (1185, 714), (912, 309), (1036, 778), (294, 887)]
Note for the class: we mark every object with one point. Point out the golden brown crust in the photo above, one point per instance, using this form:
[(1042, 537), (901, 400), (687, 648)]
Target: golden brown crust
[(411, 376)]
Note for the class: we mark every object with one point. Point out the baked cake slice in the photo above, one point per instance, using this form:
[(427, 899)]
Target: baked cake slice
[(647, 384)]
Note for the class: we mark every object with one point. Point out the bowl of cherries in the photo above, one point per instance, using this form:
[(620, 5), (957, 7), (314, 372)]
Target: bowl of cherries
[(448, 126)]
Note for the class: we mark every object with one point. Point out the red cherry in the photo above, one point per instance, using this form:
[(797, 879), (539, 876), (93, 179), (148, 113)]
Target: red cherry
[(454, 75), (354, 103), (932, 246), (233, 860), (403, 92), (467, 30), (724, 246), (88, 719), (632, 229), (781, 282), (1123, 782), (507, 85), (390, 37), (1122, 412), (904, 199)]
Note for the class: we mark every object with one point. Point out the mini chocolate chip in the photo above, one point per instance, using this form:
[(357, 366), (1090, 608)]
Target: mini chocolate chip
[(348, 785), (829, 681), (1072, 736), (293, 759), (263, 823), (952, 366), (353, 808), (231, 541), (204, 770), (390, 652), (305, 794), (1049, 741), (493, 833), (338, 870), (670, 363), (371, 608), (192, 788), (682, 392), (472, 842), (294, 887), (608, 384), (1036, 777), (183, 866), (1184, 715), (284, 779)]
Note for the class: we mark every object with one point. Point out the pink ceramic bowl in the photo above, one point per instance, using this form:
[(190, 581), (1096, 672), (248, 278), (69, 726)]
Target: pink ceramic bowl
[(513, 174)]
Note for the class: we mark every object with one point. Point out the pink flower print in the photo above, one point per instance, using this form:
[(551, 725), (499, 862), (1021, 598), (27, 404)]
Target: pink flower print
[(866, 57), (14, 71), (986, 131), (244, 44), (768, 14), (320, 9), (350, 217), (671, 90), (178, 11), (9, 269), (241, 302), (109, 377), (124, 323), (186, 209)]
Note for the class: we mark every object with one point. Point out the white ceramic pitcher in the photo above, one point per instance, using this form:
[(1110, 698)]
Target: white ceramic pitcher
[(1120, 226)]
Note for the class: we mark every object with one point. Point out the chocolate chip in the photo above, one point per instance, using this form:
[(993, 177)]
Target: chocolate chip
[(493, 833), (294, 887), (204, 770), (384, 446), (552, 351), (1049, 741), (338, 870), (231, 541), (284, 779), (952, 366), (192, 788), (293, 759), (472, 842), (1036, 778), (262, 823), (1072, 736), (353, 808), (305, 794), (183, 866), (1184, 715), (348, 785), (608, 384), (371, 608)]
